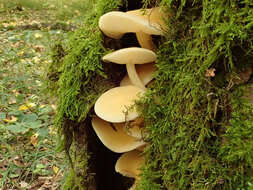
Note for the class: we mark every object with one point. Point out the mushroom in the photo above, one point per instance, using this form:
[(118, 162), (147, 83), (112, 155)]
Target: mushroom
[(145, 73), (113, 105), (114, 137), (115, 24), (129, 164), (130, 57), (155, 18), (142, 148)]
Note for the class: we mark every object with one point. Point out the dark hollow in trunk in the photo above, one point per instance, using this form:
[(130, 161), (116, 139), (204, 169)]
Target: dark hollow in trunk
[(103, 163)]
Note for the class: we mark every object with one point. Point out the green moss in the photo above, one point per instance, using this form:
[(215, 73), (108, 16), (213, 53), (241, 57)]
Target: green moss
[(200, 129), (78, 76), (191, 114)]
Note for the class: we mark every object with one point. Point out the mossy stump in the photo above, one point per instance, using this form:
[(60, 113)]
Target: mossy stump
[(198, 110)]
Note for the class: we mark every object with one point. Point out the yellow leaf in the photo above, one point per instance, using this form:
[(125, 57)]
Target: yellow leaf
[(26, 106), (56, 169), (31, 105), (34, 139), (42, 106), (5, 24), (23, 108), (12, 120), (36, 59), (12, 23), (53, 106), (37, 35), (20, 53)]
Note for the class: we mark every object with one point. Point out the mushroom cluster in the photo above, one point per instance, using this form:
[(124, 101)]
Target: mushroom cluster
[(111, 121)]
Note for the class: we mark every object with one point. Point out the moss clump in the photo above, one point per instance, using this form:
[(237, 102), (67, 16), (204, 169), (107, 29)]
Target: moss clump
[(200, 125), (79, 78), (195, 120)]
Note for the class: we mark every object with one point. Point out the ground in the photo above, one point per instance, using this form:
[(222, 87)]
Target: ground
[(28, 29)]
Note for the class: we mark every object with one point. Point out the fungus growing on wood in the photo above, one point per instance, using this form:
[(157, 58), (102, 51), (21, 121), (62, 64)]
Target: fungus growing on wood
[(129, 165), (142, 22), (145, 73), (155, 17), (130, 57), (113, 105), (114, 137)]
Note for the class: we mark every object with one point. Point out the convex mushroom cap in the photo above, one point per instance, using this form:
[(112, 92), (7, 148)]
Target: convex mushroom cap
[(115, 24), (130, 57), (129, 164), (113, 105), (155, 16), (145, 73), (144, 23), (114, 137)]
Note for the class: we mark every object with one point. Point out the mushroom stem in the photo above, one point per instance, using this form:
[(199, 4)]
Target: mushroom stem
[(133, 76), (145, 40)]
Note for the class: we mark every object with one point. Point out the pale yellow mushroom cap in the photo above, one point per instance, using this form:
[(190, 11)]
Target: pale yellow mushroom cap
[(114, 137), (129, 163), (145, 73), (155, 16), (114, 24), (113, 105), (132, 55)]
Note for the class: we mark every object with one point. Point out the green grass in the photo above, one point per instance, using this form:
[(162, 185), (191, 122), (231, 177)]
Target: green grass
[(62, 9), (28, 29)]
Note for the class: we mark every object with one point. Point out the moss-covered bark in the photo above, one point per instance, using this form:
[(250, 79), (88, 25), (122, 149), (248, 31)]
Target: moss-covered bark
[(200, 122)]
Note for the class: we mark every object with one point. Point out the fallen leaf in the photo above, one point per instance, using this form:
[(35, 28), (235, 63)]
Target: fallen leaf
[(53, 106), (23, 108), (12, 120), (42, 105), (210, 72), (55, 169), (37, 35), (26, 106), (18, 162), (36, 60), (34, 139), (20, 53), (23, 184), (12, 101)]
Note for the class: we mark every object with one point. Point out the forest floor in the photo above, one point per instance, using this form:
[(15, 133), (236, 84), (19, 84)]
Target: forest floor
[(28, 29)]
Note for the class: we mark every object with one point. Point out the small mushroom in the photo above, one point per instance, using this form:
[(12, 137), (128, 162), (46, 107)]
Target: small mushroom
[(129, 164), (130, 57), (145, 73), (114, 137), (113, 105)]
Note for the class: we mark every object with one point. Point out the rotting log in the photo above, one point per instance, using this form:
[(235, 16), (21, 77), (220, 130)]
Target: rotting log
[(198, 110)]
